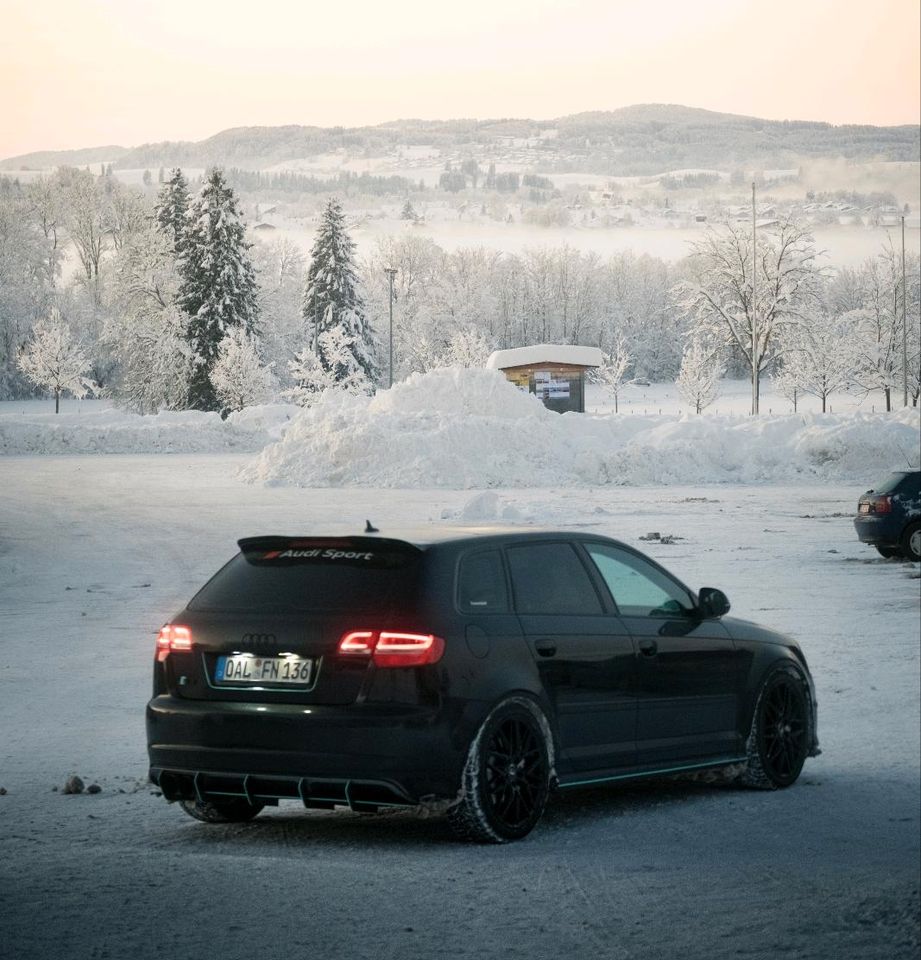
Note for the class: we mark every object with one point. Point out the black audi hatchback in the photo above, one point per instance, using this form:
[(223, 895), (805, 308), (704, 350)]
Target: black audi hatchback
[(471, 674)]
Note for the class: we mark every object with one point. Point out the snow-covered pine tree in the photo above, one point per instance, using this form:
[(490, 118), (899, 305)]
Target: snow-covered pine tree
[(54, 361), (217, 290), (699, 378), (331, 298), (172, 208)]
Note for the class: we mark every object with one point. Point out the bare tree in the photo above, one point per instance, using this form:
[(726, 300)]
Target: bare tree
[(718, 294), (819, 355), (699, 378), (54, 361), (86, 218), (611, 372)]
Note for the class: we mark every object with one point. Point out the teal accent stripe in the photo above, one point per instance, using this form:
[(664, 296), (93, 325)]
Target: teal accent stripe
[(655, 773)]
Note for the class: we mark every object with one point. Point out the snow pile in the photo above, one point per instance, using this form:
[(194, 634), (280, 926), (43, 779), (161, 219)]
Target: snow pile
[(488, 507), (109, 430), (472, 429)]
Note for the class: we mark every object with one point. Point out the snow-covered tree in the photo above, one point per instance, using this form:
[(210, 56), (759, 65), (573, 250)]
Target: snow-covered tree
[(239, 377), (819, 356), (217, 282), (467, 348), (172, 208), (146, 332), (718, 293), (28, 264), (312, 378), (331, 298), (699, 377), (86, 216), (54, 361), (875, 290), (611, 372), (280, 268)]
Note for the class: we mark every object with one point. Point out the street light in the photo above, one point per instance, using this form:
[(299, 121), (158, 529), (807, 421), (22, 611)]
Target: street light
[(391, 273)]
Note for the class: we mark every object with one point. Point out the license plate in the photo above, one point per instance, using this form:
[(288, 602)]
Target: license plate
[(864, 508), (247, 668)]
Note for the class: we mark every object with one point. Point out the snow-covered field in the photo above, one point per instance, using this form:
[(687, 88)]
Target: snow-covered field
[(96, 552)]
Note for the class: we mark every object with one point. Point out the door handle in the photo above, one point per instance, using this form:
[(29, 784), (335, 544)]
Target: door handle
[(649, 648), (546, 648)]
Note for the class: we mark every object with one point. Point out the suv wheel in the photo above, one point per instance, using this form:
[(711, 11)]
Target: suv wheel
[(221, 811), (911, 541), (889, 553), (506, 778)]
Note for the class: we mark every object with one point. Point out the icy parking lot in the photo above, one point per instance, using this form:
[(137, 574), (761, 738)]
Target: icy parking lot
[(96, 552)]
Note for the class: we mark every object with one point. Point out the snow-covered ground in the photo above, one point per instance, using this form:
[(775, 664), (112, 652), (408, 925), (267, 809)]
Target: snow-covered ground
[(96, 552)]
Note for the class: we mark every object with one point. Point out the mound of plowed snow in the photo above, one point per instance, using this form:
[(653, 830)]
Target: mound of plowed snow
[(472, 429), (97, 429)]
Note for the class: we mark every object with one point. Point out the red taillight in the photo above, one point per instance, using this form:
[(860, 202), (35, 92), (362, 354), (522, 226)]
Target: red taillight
[(883, 505), (388, 648), (173, 639)]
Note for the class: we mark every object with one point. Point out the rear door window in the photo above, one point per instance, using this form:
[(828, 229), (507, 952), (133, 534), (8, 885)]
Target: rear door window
[(908, 484), (549, 578), (481, 583), (313, 576)]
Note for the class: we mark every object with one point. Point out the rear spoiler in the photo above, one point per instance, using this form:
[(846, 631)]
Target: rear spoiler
[(370, 552), (374, 544)]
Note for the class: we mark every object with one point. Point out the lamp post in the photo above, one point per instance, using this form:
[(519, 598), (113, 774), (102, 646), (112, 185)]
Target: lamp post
[(756, 362), (391, 273), (904, 326)]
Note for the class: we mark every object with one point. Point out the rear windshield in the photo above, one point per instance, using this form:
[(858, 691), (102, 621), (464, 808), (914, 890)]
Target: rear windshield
[(309, 577), (906, 483)]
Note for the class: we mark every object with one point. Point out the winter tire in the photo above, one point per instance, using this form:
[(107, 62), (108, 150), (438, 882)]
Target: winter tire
[(506, 778), (221, 811), (911, 542), (780, 733), (889, 553)]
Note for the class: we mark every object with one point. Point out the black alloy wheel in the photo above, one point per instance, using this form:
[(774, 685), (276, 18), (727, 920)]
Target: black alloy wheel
[(506, 780), (516, 772), (782, 729)]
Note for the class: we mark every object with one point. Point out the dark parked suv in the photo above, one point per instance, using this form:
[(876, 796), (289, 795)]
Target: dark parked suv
[(889, 515), (471, 674)]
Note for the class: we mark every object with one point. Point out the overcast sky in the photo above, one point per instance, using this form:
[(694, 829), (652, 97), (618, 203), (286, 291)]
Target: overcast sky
[(76, 73)]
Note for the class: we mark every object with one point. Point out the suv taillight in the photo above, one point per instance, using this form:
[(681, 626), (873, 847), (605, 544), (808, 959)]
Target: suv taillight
[(173, 639), (388, 648)]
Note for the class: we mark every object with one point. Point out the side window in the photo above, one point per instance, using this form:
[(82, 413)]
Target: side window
[(639, 589), (481, 584), (550, 578)]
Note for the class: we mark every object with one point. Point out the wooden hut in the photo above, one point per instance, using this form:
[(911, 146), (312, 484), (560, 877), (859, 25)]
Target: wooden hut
[(555, 373)]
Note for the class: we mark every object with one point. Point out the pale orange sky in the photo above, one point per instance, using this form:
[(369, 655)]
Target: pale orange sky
[(78, 73)]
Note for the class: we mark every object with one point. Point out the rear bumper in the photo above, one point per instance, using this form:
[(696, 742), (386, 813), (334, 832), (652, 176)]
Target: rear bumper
[(882, 530), (397, 754)]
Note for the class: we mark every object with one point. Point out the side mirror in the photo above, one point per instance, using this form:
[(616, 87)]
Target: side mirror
[(712, 602)]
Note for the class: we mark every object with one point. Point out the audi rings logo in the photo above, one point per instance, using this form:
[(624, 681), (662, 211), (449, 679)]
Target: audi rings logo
[(259, 639)]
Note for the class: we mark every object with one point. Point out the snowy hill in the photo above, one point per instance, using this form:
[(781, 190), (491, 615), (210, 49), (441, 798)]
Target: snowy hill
[(640, 139)]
